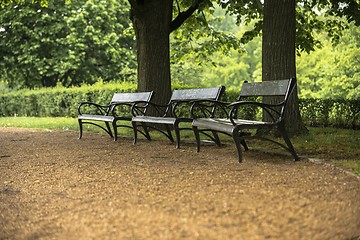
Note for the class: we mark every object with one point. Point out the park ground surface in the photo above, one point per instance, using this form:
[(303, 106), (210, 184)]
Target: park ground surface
[(55, 186)]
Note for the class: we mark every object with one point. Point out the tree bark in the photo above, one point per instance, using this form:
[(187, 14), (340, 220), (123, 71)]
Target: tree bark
[(152, 24), (278, 54)]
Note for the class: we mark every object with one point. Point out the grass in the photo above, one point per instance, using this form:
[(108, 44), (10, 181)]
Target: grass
[(44, 123), (339, 146)]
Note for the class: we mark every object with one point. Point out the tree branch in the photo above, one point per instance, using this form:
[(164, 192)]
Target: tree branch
[(180, 19)]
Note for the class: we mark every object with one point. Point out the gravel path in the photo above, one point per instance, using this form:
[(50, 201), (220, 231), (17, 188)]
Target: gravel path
[(54, 186)]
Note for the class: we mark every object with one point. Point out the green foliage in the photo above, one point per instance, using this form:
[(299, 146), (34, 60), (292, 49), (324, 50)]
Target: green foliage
[(229, 70), (67, 43), (200, 37), (329, 16), (42, 3), (332, 71), (93, 40), (311, 16), (229, 67)]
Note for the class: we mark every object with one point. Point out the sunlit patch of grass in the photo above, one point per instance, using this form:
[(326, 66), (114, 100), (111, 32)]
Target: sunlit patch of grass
[(56, 123), (61, 123)]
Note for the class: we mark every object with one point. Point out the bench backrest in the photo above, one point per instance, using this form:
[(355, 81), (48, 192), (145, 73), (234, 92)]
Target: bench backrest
[(197, 94), (186, 96), (268, 88), (131, 97), (278, 90)]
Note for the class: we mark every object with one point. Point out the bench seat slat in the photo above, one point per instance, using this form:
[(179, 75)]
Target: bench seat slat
[(151, 119), (159, 120), (96, 117), (225, 125)]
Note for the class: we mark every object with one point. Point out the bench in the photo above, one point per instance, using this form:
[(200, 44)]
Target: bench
[(240, 128), (120, 108), (172, 114)]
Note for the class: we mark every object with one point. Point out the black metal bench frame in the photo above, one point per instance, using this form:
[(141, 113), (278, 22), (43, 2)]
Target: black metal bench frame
[(109, 114), (232, 126), (170, 115)]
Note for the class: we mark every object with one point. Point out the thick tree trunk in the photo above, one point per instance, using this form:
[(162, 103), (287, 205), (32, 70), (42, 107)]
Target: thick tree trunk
[(152, 23), (278, 54)]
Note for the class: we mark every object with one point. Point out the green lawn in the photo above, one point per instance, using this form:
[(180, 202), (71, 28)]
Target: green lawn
[(340, 146)]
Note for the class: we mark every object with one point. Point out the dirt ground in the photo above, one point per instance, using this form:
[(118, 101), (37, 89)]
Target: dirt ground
[(55, 186)]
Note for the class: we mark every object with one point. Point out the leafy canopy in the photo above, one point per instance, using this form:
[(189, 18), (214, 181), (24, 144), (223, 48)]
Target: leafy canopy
[(65, 43)]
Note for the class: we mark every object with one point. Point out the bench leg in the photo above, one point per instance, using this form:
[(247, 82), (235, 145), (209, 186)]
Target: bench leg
[(115, 130), (197, 138), (216, 138), (135, 131), (108, 129), (288, 142), (244, 145), (177, 135), (146, 131), (81, 128), (169, 134), (238, 143)]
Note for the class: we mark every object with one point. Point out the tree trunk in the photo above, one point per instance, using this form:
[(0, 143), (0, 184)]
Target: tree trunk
[(152, 21), (278, 54)]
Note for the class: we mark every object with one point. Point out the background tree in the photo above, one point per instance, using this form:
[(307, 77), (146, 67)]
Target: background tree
[(152, 24), (278, 54), (64, 43)]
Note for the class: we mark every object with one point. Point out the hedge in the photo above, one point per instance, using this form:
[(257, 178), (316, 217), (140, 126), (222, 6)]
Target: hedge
[(340, 113), (61, 102), (58, 101)]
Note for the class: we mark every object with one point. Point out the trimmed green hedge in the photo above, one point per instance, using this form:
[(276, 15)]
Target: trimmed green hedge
[(340, 113), (61, 102), (58, 101)]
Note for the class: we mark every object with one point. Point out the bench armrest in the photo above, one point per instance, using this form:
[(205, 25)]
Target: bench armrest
[(121, 109), (184, 108), (209, 108), (101, 109), (271, 109), (179, 108), (140, 108)]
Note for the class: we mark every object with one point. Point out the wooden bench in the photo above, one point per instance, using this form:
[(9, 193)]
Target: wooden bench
[(238, 128), (120, 108), (172, 114)]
